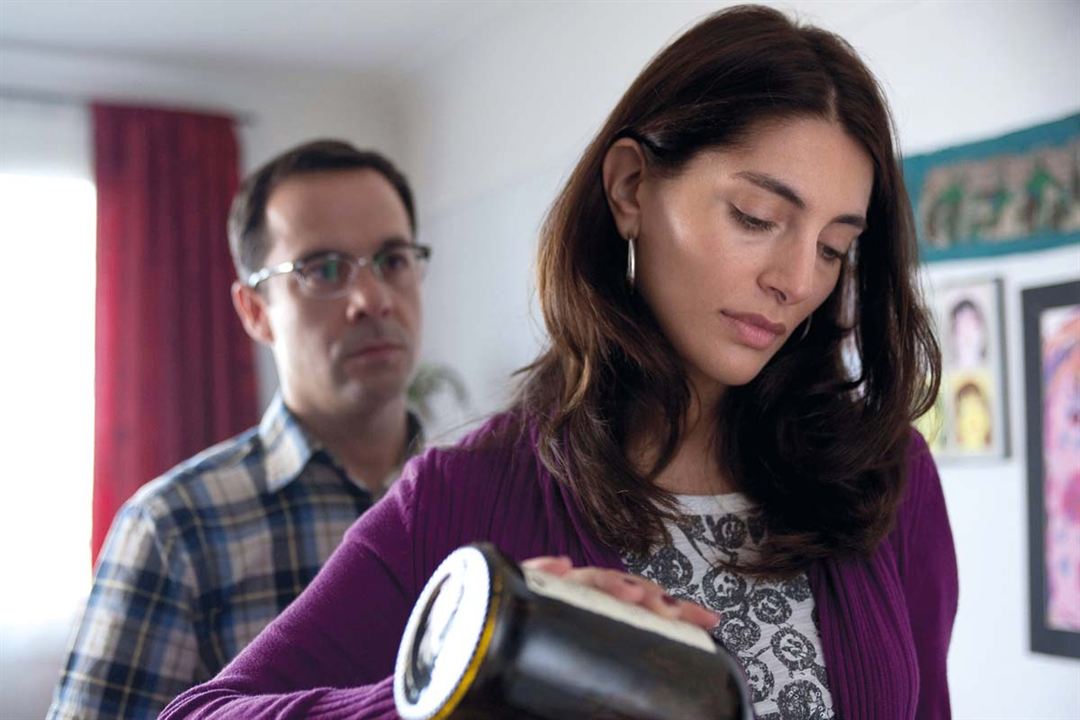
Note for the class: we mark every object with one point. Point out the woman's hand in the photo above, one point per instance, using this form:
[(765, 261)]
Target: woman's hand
[(628, 588)]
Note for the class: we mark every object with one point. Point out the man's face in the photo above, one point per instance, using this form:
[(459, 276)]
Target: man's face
[(352, 354)]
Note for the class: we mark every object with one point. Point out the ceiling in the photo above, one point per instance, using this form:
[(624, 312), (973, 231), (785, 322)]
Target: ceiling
[(344, 35), (388, 37)]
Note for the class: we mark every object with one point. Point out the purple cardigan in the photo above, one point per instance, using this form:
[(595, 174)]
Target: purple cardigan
[(885, 621)]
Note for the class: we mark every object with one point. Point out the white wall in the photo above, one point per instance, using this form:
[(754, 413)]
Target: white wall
[(496, 125)]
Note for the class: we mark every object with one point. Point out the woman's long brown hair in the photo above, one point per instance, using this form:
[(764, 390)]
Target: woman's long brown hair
[(819, 437)]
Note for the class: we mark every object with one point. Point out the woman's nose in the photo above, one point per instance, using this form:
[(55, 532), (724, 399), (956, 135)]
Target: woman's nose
[(790, 274)]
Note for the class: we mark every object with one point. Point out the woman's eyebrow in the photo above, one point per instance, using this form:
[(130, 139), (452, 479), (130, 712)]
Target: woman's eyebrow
[(768, 182), (778, 187)]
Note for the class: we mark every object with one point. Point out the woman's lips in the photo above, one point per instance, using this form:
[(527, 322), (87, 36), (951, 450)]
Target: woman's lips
[(754, 330)]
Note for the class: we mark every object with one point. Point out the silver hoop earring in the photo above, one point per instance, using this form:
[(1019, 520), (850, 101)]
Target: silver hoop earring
[(806, 328), (631, 262)]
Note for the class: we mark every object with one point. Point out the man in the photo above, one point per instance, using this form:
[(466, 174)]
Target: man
[(201, 559)]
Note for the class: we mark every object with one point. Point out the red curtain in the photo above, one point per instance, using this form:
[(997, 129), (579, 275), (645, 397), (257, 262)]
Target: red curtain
[(174, 370)]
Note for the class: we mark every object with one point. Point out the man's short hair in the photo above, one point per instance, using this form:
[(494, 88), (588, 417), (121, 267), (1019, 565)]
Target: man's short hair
[(247, 217)]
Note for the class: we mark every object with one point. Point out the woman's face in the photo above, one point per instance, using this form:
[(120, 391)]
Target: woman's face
[(735, 251)]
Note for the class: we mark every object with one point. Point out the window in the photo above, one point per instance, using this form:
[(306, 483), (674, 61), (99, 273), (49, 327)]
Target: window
[(47, 386)]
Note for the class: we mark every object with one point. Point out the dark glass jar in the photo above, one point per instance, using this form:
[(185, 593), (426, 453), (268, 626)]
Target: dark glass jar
[(488, 639)]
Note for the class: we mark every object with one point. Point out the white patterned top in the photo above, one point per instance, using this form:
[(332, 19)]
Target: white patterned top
[(768, 625)]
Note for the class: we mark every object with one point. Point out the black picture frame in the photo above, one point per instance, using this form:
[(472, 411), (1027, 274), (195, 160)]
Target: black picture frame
[(1036, 302)]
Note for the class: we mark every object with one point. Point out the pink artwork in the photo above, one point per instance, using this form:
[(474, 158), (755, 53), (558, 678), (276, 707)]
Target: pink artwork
[(1060, 352), (1052, 394)]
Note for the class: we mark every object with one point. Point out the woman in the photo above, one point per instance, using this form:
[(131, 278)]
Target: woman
[(736, 354)]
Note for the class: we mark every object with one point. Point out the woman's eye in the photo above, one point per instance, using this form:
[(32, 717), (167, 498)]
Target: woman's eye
[(831, 254), (750, 222)]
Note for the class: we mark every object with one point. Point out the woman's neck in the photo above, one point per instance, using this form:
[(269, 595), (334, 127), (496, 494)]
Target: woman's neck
[(694, 468)]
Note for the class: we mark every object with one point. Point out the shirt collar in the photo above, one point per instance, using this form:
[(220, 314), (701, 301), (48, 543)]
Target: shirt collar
[(289, 447)]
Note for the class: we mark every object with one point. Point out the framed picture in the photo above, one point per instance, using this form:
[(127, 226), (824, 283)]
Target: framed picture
[(970, 418), (1052, 380)]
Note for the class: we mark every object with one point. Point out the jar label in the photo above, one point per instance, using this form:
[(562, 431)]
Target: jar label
[(601, 603)]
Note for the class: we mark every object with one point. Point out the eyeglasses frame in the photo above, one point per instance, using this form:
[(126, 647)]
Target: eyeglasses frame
[(423, 255)]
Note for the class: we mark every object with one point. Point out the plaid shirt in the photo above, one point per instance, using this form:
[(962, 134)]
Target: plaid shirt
[(200, 560)]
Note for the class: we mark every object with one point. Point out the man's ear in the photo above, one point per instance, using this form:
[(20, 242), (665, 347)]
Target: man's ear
[(251, 307), (624, 168)]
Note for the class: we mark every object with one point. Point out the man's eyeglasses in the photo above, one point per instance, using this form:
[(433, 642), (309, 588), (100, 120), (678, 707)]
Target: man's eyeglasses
[(330, 274)]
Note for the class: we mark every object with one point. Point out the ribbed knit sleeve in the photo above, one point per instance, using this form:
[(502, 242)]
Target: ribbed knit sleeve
[(331, 653)]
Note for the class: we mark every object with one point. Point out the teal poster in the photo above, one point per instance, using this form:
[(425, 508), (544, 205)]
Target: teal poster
[(1015, 193)]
